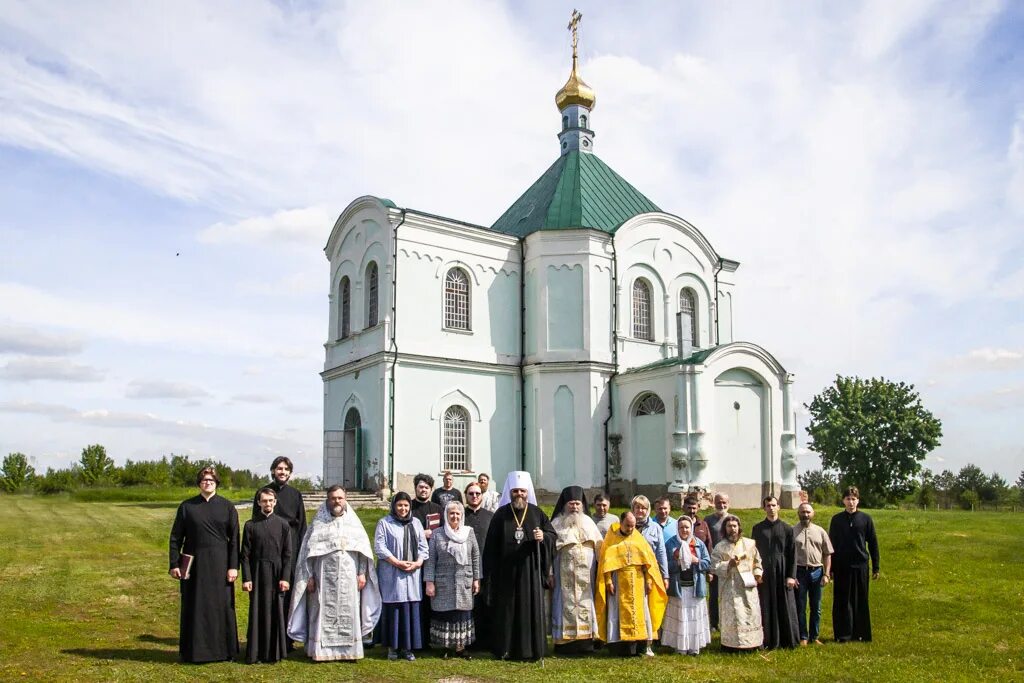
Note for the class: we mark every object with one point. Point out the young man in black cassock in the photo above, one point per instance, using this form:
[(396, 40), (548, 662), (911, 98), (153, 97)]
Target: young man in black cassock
[(431, 516), (206, 527), (290, 507), (777, 590), (267, 553), (517, 560), (852, 533)]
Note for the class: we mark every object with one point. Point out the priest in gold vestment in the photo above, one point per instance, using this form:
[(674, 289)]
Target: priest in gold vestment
[(577, 546), (631, 596)]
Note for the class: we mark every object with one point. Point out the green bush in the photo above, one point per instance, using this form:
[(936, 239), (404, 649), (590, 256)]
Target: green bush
[(57, 481)]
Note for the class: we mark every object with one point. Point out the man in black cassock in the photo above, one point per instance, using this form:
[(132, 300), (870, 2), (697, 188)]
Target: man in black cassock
[(478, 518), (777, 591), (291, 508), (266, 576), (851, 531), (431, 516), (206, 527), (517, 560)]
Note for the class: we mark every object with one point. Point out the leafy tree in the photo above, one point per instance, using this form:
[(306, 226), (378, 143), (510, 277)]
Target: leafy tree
[(874, 433), (926, 494), (945, 488), (97, 466), (970, 499), (145, 473), (1020, 485), (16, 472), (55, 481), (821, 486)]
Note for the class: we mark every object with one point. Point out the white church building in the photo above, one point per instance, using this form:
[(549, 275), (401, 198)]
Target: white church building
[(586, 336)]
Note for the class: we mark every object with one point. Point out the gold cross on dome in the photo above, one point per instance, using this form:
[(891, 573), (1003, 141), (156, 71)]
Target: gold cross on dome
[(574, 23)]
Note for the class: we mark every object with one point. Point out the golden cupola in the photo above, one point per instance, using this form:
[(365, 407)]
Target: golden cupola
[(575, 90)]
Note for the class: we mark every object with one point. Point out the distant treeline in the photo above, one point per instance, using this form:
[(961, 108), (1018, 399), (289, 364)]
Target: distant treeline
[(969, 489), (96, 469)]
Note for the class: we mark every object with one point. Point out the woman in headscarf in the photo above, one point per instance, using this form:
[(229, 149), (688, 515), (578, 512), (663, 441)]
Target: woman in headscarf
[(401, 550), (452, 576), (686, 627)]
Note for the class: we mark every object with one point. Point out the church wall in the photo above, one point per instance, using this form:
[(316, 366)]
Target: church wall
[(669, 255), (364, 389), (427, 250), (425, 390)]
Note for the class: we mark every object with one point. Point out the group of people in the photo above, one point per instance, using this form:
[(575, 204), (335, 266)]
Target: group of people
[(446, 569)]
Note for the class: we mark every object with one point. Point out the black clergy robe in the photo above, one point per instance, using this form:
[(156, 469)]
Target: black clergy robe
[(292, 509), (854, 542), (479, 521), (208, 530), (267, 559), (516, 573), (778, 603)]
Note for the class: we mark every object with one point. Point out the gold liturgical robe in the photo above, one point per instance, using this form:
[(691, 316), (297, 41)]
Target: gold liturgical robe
[(634, 563)]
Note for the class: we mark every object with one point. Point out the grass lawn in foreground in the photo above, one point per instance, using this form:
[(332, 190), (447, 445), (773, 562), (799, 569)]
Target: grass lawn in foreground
[(85, 596)]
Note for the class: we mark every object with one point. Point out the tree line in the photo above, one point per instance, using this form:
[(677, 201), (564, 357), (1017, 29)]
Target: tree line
[(96, 469)]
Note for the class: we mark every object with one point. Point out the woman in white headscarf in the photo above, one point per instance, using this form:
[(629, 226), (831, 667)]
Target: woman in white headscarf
[(686, 627), (452, 576)]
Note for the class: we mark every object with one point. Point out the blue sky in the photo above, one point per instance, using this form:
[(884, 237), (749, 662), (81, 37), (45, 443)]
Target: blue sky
[(171, 173)]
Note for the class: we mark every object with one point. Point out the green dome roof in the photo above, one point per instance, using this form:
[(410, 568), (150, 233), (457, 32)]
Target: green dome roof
[(577, 191)]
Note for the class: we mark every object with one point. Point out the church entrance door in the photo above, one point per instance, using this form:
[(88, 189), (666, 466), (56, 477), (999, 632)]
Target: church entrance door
[(650, 449), (352, 452)]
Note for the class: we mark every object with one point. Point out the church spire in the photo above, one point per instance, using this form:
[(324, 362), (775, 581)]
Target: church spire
[(574, 101)]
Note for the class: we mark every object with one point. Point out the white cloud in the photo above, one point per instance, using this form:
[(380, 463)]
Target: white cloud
[(32, 342), (163, 389), (309, 227), (255, 398), (53, 369)]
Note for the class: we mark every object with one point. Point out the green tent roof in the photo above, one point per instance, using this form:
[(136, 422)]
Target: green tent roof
[(577, 191), (695, 358)]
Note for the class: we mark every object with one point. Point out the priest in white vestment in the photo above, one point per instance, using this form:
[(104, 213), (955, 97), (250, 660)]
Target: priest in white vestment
[(335, 598), (737, 567), (577, 547)]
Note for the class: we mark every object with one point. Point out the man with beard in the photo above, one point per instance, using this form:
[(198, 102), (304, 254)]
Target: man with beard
[(489, 499), (266, 575), (577, 548), (813, 564), (631, 595), (601, 518), (517, 559), (774, 539), (691, 506), (290, 507), (853, 537), (336, 601), (479, 520), (714, 522), (737, 567), (430, 515)]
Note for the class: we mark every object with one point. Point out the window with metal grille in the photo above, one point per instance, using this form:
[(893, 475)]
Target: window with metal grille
[(455, 455), (650, 405), (345, 308), (642, 327), (456, 300), (371, 294), (688, 305)]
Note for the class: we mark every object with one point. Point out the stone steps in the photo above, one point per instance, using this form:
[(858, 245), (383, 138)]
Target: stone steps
[(357, 499)]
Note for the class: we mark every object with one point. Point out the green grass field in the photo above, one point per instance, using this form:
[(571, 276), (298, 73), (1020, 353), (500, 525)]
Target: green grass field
[(85, 596)]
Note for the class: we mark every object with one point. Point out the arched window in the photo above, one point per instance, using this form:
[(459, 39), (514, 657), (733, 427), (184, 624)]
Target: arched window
[(345, 308), (371, 294), (455, 455), (650, 405), (642, 327), (456, 300), (352, 420), (688, 306), (583, 120)]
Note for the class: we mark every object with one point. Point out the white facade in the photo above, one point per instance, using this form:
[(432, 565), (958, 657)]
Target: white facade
[(725, 421)]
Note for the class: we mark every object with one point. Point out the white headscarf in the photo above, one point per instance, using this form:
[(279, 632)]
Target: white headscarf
[(517, 480), (456, 545)]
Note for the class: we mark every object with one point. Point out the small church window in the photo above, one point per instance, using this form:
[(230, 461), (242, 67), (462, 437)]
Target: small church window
[(456, 300), (456, 439), (642, 326), (345, 324), (565, 123), (583, 121), (650, 405), (371, 294), (688, 306)]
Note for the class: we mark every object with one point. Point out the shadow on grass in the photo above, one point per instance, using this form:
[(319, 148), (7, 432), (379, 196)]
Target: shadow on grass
[(127, 654), (150, 638), (151, 505)]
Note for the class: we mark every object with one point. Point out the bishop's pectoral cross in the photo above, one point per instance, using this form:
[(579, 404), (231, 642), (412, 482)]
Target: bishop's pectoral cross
[(574, 23)]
